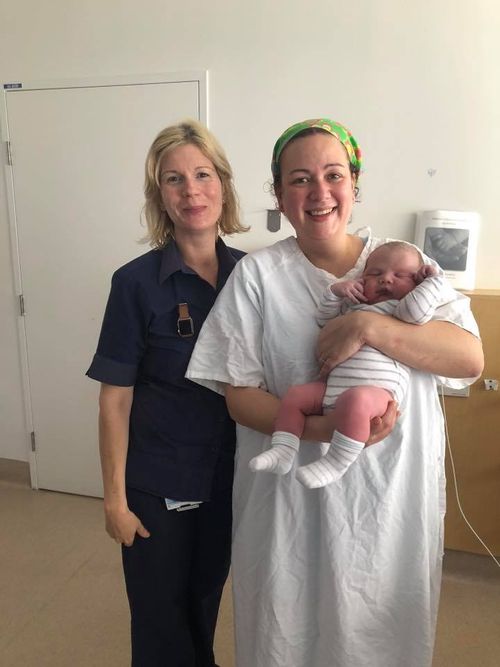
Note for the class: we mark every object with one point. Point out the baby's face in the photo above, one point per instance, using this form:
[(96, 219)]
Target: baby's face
[(390, 273)]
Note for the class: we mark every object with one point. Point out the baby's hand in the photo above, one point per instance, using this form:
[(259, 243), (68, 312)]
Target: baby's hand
[(425, 271), (349, 289)]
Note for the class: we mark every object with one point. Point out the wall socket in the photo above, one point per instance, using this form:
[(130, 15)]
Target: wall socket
[(490, 384)]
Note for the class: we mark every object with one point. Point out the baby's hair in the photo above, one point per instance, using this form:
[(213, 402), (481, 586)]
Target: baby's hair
[(402, 245)]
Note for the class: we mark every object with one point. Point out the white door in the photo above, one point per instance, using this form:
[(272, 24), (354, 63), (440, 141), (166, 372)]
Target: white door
[(78, 155)]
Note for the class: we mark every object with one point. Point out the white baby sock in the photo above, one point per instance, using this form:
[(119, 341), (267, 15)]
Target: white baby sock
[(279, 458), (342, 452)]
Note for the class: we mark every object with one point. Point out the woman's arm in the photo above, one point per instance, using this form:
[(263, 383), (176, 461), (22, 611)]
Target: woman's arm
[(115, 404), (257, 409), (438, 347)]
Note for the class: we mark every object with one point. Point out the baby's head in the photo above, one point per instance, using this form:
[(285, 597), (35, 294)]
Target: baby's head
[(390, 271)]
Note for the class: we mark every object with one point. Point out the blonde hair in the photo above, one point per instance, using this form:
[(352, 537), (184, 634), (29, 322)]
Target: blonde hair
[(160, 226)]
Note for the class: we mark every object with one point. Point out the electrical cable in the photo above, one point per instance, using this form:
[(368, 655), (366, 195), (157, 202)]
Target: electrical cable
[(455, 482)]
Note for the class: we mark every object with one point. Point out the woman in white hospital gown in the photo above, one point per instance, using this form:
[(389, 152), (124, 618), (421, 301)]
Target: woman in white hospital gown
[(347, 575)]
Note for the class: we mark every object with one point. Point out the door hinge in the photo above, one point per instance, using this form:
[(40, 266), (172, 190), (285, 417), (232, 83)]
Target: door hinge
[(33, 441), (9, 152), (21, 304)]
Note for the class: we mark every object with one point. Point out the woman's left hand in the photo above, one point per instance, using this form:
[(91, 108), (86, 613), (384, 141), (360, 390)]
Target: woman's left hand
[(380, 427), (339, 339)]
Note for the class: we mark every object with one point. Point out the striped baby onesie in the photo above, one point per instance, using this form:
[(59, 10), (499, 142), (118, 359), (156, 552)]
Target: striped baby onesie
[(370, 366)]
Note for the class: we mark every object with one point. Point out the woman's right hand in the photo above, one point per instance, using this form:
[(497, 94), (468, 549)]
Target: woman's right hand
[(340, 338), (115, 403), (122, 525)]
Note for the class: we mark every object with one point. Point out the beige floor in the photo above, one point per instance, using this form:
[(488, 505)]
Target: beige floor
[(62, 600)]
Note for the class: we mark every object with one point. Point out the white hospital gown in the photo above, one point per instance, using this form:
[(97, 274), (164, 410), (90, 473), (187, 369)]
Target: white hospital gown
[(347, 575)]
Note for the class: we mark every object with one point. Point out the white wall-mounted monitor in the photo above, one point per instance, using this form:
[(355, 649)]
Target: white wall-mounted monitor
[(450, 237)]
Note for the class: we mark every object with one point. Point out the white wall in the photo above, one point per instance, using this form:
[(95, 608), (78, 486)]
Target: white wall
[(416, 82)]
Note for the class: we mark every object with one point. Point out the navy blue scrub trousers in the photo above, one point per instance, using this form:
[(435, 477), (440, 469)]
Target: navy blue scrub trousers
[(174, 580)]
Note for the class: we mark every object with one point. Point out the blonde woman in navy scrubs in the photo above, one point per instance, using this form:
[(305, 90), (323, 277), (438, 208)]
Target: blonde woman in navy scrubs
[(164, 440)]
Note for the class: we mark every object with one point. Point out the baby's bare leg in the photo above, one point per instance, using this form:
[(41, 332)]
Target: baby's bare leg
[(356, 407), (354, 410), (298, 402)]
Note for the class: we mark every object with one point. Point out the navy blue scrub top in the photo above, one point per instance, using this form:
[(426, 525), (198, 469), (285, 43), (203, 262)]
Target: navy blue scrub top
[(181, 439)]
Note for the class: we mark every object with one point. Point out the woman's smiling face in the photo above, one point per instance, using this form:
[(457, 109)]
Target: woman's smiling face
[(316, 192), (191, 190)]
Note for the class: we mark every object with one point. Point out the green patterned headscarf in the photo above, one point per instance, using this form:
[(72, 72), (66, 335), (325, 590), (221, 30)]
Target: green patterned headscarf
[(335, 129)]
